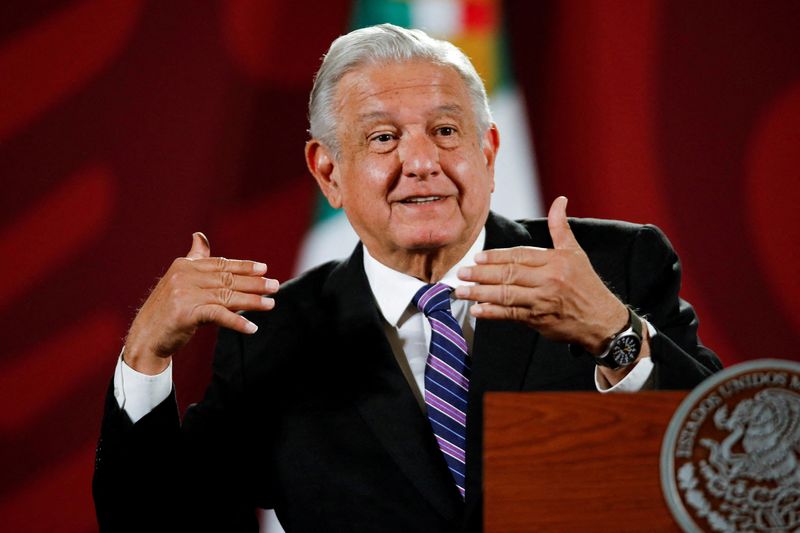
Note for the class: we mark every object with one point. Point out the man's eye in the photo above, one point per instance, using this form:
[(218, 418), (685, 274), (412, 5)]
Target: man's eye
[(447, 131), (383, 137)]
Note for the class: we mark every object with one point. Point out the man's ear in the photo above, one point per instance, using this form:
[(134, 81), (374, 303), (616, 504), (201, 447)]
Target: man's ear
[(490, 145), (323, 167)]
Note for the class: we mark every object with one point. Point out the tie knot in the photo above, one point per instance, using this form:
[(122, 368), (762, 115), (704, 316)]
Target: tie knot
[(433, 297)]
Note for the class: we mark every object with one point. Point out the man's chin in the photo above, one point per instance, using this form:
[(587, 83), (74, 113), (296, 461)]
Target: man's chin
[(429, 240)]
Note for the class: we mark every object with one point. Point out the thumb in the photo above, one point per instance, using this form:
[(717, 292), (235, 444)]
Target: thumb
[(200, 246), (560, 231)]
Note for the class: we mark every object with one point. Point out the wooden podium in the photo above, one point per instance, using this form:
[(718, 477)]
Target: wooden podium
[(580, 461)]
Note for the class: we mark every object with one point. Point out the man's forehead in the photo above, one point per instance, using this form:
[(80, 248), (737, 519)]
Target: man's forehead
[(414, 75), (367, 90), (451, 109)]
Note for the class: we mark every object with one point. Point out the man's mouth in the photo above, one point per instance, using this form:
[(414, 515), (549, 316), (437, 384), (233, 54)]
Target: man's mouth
[(422, 199)]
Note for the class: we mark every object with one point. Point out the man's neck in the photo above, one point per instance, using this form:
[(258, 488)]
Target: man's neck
[(428, 265), (431, 266)]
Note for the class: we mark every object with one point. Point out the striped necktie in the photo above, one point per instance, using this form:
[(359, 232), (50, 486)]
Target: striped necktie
[(446, 377)]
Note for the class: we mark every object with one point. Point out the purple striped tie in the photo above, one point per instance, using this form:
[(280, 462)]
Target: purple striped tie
[(446, 377)]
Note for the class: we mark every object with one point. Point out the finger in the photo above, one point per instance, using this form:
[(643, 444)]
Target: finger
[(234, 300), (219, 315), (523, 255), (249, 284), (507, 295), (200, 246), (560, 231), (498, 312), (234, 266), (489, 311), (505, 273)]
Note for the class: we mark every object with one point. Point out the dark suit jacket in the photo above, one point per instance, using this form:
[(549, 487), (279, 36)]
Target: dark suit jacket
[(312, 415)]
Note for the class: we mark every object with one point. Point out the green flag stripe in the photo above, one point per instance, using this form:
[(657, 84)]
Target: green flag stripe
[(371, 12)]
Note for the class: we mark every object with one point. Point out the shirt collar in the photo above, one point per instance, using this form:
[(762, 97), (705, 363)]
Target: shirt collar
[(394, 290)]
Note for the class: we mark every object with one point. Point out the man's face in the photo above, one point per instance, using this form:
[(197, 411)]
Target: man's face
[(413, 174)]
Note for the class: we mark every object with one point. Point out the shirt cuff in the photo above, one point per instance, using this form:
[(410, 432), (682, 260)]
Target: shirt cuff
[(636, 379), (137, 394), (633, 382)]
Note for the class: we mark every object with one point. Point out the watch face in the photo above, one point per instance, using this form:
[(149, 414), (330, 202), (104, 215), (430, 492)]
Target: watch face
[(626, 350)]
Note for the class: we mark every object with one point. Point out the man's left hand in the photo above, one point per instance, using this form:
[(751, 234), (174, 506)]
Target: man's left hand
[(556, 291)]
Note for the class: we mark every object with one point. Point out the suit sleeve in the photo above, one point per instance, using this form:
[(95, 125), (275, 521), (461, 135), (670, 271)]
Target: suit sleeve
[(133, 461), (654, 280), (163, 475)]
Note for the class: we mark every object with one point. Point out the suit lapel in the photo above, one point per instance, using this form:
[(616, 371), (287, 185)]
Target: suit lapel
[(502, 350), (385, 400), (501, 355)]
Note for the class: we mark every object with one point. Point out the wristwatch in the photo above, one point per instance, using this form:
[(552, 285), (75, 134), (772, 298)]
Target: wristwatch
[(624, 347)]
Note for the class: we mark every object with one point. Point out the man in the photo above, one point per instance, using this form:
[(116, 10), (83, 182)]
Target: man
[(350, 400)]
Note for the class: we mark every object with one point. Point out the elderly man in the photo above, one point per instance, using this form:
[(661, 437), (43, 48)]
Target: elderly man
[(350, 400)]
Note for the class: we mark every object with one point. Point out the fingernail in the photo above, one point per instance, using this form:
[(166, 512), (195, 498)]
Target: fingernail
[(259, 268), (267, 302), (462, 292), (480, 257), (272, 284), (464, 272), (249, 326), (476, 310)]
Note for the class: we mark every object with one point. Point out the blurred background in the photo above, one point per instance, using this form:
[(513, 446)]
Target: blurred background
[(125, 125)]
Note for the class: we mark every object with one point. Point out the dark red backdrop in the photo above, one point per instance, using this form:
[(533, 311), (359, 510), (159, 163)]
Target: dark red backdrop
[(126, 125)]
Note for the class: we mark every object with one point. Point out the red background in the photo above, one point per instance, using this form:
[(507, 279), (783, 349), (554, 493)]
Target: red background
[(126, 125)]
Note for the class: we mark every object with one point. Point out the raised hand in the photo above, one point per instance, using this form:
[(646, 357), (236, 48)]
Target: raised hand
[(556, 291), (197, 289)]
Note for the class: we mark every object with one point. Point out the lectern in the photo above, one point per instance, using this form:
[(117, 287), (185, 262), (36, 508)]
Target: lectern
[(575, 461)]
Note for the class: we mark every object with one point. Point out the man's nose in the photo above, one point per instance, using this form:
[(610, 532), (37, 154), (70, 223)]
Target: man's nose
[(419, 156)]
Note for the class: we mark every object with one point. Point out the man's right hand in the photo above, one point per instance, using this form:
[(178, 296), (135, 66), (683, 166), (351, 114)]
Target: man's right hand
[(197, 289)]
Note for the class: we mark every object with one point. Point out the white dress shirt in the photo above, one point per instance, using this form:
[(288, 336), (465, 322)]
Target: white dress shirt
[(408, 331)]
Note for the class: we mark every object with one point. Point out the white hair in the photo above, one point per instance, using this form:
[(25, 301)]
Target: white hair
[(385, 43)]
